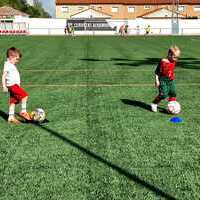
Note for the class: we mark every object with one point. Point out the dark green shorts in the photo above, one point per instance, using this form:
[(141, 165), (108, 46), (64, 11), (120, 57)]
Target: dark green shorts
[(167, 88)]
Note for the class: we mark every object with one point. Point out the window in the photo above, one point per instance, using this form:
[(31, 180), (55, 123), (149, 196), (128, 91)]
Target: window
[(181, 8), (65, 9), (131, 9), (197, 8), (146, 7), (115, 9)]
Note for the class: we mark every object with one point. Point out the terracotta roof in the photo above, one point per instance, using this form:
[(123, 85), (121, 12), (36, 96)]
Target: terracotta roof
[(9, 11), (133, 2)]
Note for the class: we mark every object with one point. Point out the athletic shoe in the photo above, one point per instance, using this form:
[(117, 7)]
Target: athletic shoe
[(154, 107), (25, 115), (13, 121)]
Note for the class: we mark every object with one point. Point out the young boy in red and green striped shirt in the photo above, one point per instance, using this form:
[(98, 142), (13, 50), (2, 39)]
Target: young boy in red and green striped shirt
[(165, 76)]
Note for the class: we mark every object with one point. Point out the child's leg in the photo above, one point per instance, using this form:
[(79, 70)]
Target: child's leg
[(154, 105), (157, 100), (18, 94), (11, 111), (11, 117), (24, 112), (24, 104), (172, 91), (21, 96), (163, 94)]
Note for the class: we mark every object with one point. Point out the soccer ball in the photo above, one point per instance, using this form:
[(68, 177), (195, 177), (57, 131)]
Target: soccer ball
[(174, 107), (38, 115)]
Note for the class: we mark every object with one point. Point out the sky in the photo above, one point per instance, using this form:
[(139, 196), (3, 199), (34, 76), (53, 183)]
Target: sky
[(49, 6)]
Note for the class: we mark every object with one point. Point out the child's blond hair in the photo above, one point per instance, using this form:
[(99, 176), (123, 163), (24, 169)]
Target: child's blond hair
[(175, 51)]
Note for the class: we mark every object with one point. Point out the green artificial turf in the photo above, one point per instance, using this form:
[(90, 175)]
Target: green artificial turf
[(101, 141)]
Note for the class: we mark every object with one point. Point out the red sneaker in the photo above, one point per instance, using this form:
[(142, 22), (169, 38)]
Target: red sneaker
[(25, 115)]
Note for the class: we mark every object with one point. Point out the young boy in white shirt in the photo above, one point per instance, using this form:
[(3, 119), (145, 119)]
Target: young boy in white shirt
[(11, 84)]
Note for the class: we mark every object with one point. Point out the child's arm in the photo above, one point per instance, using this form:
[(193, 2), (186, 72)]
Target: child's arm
[(157, 73), (157, 82), (5, 89)]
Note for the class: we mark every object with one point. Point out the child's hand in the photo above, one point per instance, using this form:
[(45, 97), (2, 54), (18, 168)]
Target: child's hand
[(157, 83), (5, 89)]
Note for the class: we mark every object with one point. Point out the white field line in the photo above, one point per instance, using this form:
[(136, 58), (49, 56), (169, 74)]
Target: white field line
[(104, 85)]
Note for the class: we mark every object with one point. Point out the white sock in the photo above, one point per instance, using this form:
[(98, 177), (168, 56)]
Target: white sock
[(11, 112), (23, 107), (11, 116), (154, 107)]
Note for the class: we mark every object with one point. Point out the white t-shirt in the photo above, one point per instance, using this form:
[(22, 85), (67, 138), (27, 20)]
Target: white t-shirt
[(12, 74)]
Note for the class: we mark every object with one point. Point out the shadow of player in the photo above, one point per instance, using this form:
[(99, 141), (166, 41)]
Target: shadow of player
[(142, 105)]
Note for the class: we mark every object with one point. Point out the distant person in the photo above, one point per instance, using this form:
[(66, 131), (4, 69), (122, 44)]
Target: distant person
[(72, 30), (126, 29), (11, 83), (122, 30), (148, 30), (65, 30), (164, 78)]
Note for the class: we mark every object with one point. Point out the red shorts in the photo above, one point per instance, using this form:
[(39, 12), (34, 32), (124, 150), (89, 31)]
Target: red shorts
[(16, 94)]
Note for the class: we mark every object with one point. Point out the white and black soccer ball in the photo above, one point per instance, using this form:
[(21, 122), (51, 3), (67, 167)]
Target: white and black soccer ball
[(174, 107), (38, 115)]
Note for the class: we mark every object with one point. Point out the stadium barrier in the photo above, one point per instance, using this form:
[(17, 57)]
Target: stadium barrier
[(11, 28), (13, 32), (135, 27), (188, 31), (133, 31), (40, 26)]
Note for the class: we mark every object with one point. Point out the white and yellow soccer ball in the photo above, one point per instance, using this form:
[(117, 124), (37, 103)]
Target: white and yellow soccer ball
[(174, 107), (38, 115)]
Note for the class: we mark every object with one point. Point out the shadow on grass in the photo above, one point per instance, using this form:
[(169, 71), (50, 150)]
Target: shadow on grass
[(138, 63), (186, 63), (121, 59), (92, 60), (136, 104), (107, 163), (142, 105), (189, 63), (3, 115)]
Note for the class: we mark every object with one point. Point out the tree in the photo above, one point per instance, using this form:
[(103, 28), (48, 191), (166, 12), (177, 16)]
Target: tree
[(39, 8), (33, 11), (4, 2)]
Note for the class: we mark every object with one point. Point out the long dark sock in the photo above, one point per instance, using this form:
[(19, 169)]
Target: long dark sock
[(157, 100)]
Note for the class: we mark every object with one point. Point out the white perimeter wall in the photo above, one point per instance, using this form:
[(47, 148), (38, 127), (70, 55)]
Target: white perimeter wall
[(41, 26), (188, 27)]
